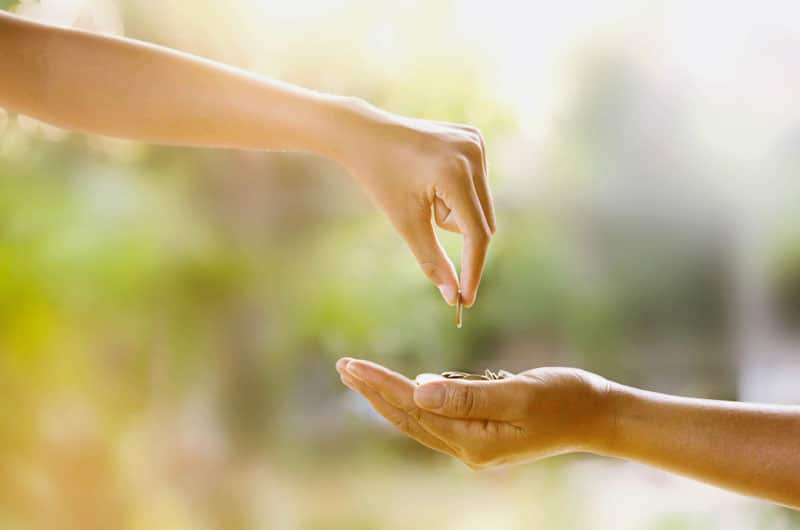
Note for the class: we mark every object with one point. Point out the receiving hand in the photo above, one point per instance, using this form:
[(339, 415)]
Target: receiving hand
[(418, 169), (538, 413)]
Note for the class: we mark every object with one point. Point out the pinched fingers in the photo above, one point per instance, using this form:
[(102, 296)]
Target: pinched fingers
[(458, 192), (473, 254), (421, 238)]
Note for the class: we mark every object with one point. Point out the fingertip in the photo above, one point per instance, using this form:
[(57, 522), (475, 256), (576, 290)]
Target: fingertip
[(349, 382), (449, 294), (393, 386), (360, 370), (468, 298), (341, 364), (473, 263)]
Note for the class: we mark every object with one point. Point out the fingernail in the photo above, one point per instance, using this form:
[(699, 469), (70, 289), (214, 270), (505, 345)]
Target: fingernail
[(429, 396), (358, 370), (341, 364), (448, 293), (469, 303)]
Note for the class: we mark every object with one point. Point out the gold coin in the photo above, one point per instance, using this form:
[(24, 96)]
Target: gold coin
[(487, 375), (459, 310), (463, 375)]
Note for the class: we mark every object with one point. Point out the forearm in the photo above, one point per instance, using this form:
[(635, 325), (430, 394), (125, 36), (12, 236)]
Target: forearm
[(748, 448), (129, 89)]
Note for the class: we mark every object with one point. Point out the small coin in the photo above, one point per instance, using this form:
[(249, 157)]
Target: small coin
[(463, 375), (487, 375), (459, 310), (421, 379)]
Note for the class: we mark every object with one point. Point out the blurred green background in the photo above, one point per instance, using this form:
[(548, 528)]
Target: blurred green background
[(170, 318)]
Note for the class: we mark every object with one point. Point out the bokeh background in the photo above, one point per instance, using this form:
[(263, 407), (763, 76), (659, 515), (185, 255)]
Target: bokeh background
[(170, 317)]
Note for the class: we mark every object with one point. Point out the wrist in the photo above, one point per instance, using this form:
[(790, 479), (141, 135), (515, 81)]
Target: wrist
[(614, 405), (576, 407), (356, 128), (599, 429), (349, 123)]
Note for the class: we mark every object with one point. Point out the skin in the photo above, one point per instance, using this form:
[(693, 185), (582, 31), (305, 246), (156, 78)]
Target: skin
[(747, 448), (414, 170)]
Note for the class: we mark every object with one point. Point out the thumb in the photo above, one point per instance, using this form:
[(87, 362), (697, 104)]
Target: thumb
[(497, 400)]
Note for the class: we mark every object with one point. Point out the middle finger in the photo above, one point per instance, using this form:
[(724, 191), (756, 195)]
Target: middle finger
[(397, 417)]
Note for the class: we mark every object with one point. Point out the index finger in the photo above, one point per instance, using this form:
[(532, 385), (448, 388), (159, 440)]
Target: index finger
[(399, 391), (477, 235), (481, 178), (396, 416)]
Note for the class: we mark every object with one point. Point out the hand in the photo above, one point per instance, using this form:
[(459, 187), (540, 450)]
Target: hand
[(415, 168), (129, 89), (538, 413)]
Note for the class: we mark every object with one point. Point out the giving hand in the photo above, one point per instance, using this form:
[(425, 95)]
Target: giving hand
[(419, 170)]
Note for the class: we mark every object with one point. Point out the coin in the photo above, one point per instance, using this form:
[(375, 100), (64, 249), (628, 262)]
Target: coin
[(487, 375), (463, 375), (459, 310), (421, 379)]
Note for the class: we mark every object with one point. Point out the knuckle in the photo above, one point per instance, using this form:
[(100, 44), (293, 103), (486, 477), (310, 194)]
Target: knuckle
[(463, 401), (430, 269), (473, 150), (459, 401), (472, 465), (410, 228), (482, 236), (402, 423), (465, 455), (417, 207), (456, 169), (450, 164), (479, 457), (471, 130), (406, 229)]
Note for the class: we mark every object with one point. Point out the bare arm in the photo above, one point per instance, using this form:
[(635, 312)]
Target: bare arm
[(748, 448), (130, 89)]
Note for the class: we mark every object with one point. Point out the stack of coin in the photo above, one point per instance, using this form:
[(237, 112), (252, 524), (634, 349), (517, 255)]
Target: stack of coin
[(487, 375)]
